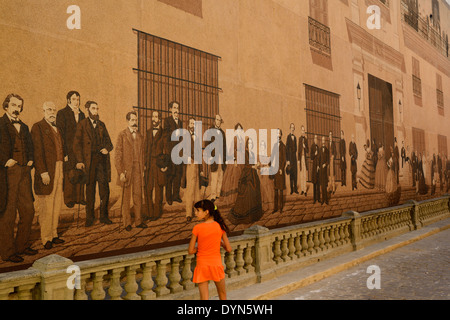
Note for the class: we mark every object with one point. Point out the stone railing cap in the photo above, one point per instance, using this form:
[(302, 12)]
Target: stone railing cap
[(52, 262), (256, 230)]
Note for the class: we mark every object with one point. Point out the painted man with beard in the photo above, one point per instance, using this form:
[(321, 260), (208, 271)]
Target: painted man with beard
[(128, 158), (218, 168), (156, 164), (303, 150), (66, 121), (291, 158), (192, 174), (16, 161), (314, 156), (353, 152), (279, 181), (175, 172), (92, 146), (48, 175)]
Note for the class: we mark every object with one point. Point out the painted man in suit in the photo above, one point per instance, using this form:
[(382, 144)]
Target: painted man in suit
[(315, 170), (66, 121), (291, 158), (193, 186), (302, 154), (279, 181), (396, 158), (217, 169), (175, 172), (403, 153), (332, 156), (324, 163), (16, 161), (155, 167), (353, 152), (48, 175), (129, 158), (342, 153), (92, 146)]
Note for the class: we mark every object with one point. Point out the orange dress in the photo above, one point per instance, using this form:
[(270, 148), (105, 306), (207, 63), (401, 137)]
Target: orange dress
[(209, 261)]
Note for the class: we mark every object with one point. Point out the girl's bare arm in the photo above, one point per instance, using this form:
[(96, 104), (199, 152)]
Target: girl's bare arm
[(226, 243), (192, 248)]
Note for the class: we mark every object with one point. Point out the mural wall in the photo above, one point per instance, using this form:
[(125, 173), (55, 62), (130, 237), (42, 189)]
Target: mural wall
[(348, 105)]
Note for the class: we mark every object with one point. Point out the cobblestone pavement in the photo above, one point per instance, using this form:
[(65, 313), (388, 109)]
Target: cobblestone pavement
[(418, 271)]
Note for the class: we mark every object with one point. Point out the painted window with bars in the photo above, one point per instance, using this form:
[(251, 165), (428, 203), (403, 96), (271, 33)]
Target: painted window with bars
[(169, 71), (322, 116), (417, 82), (442, 145), (319, 32), (418, 137)]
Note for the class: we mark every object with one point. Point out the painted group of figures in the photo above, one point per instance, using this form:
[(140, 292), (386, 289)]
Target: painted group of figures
[(381, 173), (70, 153)]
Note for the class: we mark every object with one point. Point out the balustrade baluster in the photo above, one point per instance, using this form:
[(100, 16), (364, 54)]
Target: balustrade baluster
[(161, 278), (4, 293), (115, 289), (298, 246), (310, 242), (147, 282), (333, 241), (277, 251), (327, 238), (98, 293), (342, 234), (284, 249), (230, 264), (240, 260), (248, 259), (131, 286), (321, 240), (316, 240), (80, 294), (174, 275), (304, 243), (291, 247), (186, 273), (337, 237)]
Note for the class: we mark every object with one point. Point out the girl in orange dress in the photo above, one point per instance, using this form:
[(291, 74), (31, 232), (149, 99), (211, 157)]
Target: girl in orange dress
[(209, 236)]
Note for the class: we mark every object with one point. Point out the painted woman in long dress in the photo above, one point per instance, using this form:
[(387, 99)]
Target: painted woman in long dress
[(381, 170), (248, 208), (367, 175), (232, 174), (391, 178)]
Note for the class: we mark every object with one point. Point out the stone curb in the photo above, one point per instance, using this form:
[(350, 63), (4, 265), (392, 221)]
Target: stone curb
[(311, 274)]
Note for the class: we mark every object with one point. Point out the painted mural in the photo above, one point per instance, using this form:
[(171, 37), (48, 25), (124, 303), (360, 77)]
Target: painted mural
[(75, 183)]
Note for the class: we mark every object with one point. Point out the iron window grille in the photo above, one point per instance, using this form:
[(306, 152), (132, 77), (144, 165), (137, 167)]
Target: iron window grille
[(169, 71), (319, 36)]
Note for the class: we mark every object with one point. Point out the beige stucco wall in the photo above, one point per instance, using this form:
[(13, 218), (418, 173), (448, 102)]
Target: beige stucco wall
[(263, 44)]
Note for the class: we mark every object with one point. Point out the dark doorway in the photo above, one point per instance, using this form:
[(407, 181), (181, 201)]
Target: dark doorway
[(381, 113)]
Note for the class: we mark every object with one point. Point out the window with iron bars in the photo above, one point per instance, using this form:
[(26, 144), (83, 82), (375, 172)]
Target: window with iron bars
[(418, 137), (323, 116), (442, 145), (319, 36), (169, 71)]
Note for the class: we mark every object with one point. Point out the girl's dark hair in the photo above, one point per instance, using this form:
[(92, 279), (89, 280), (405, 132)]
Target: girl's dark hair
[(213, 211)]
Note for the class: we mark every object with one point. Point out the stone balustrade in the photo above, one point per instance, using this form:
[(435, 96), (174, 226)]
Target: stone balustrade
[(258, 255)]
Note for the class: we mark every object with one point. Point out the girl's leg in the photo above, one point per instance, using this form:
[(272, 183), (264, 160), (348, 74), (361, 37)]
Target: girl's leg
[(203, 289), (221, 290)]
